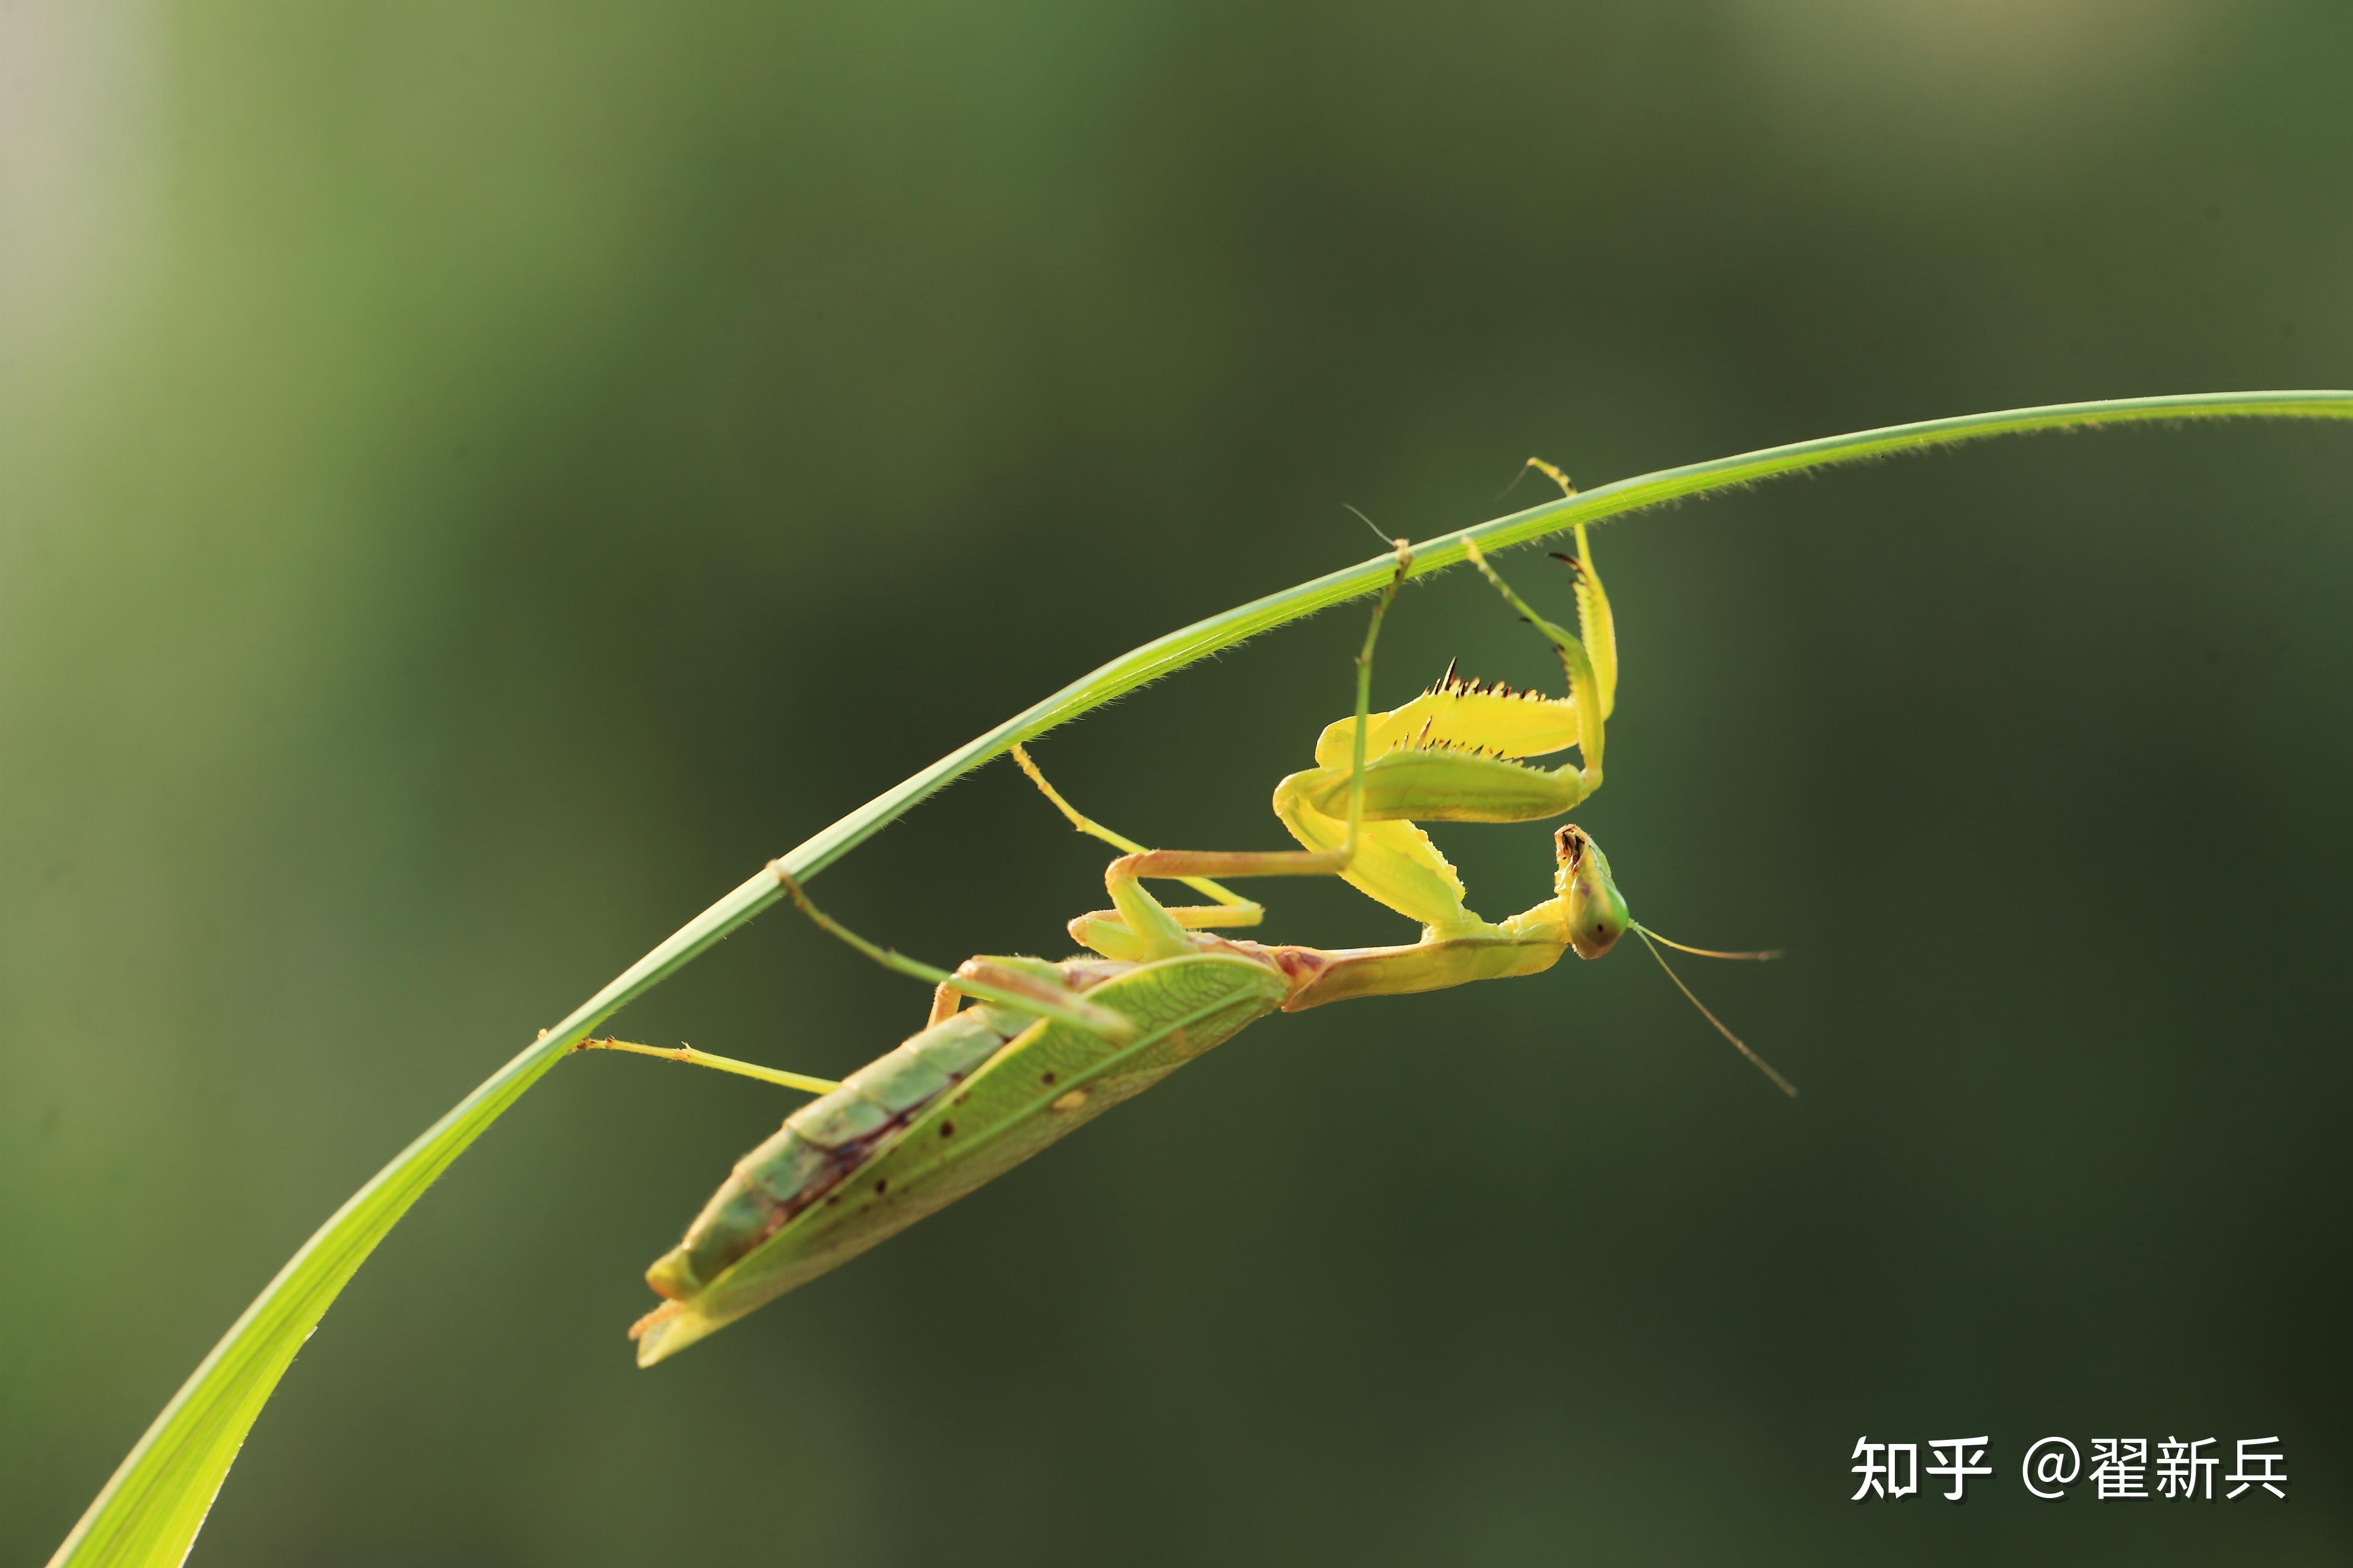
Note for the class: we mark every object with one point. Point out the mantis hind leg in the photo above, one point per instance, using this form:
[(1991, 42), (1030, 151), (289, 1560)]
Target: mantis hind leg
[(1028, 985), (692, 1058)]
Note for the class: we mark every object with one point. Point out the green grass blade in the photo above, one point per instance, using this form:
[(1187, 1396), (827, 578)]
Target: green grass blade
[(150, 1512)]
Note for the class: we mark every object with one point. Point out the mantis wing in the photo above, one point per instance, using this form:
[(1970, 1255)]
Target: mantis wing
[(1047, 1081)]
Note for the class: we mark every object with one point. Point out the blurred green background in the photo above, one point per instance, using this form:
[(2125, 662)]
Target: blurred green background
[(480, 477)]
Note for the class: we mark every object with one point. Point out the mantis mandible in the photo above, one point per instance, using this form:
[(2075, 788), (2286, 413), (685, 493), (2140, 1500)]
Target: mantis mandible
[(1047, 1046)]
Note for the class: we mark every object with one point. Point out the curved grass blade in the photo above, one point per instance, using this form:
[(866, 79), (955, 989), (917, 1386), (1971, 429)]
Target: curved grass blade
[(149, 1512)]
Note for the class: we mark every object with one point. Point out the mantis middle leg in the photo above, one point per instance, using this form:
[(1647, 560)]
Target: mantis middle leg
[(1230, 908), (1138, 928)]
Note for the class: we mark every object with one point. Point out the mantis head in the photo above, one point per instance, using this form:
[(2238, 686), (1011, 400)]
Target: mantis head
[(1597, 911), (1597, 917)]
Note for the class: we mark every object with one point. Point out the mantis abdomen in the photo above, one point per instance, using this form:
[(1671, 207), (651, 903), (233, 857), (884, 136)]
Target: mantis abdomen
[(953, 1108), (826, 1140)]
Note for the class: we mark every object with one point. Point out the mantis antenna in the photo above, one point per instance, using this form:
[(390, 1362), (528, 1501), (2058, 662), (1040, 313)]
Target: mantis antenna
[(1766, 956), (1760, 1063)]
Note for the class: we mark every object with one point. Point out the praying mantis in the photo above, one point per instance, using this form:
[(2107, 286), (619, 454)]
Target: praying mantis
[(1047, 1047)]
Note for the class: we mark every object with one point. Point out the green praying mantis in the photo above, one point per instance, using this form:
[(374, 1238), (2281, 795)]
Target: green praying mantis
[(1047, 1046)]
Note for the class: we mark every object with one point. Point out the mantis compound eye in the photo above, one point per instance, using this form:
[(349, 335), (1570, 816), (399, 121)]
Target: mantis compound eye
[(1597, 911)]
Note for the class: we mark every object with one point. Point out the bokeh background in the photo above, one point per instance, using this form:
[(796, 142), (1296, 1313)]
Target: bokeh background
[(479, 478)]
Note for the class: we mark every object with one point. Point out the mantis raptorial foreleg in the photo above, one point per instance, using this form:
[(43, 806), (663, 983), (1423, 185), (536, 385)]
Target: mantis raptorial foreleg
[(1449, 756), (1454, 754)]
